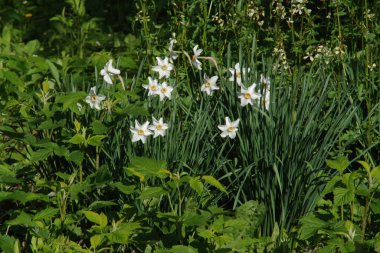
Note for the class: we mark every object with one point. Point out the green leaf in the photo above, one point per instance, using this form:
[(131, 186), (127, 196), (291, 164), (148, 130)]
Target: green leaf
[(96, 140), (152, 192), (126, 189), (98, 127), (100, 204), (136, 110), (194, 219), (183, 249), (196, 185), (343, 196), (340, 163), (6, 243), (100, 219), (375, 173), (54, 71), (123, 232), (365, 165), (13, 78), (71, 99), (252, 212), (46, 214), (310, 226), (145, 167), (23, 197), (22, 219), (75, 156), (96, 240), (212, 181), (375, 206), (40, 154), (77, 139)]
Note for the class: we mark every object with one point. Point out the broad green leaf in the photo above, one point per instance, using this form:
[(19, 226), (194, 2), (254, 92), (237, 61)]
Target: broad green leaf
[(100, 204), (212, 181), (13, 78), (77, 139), (135, 110), (183, 249), (343, 196), (23, 197), (7, 243), (207, 234), (70, 99), (75, 156), (96, 240), (375, 173), (340, 163), (123, 232), (365, 165), (196, 185), (126, 189), (100, 219), (46, 214), (31, 47), (310, 226), (22, 219), (96, 140), (253, 212), (40, 154), (375, 206), (77, 188), (7, 176), (145, 167), (98, 127), (194, 219), (152, 192), (330, 186)]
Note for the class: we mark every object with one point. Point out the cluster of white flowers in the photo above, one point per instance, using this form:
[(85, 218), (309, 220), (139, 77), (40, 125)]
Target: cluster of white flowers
[(279, 52), (256, 13), (141, 132), (324, 53), (299, 7)]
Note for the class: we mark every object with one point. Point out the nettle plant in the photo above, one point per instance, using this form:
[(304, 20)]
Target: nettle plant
[(346, 218)]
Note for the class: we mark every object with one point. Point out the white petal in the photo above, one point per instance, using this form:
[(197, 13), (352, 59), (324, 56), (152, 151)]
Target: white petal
[(232, 135), (107, 78), (224, 134), (135, 137)]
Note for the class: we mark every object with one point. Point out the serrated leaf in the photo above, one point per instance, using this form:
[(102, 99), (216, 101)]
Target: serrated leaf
[(75, 156), (146, 167), (77, 139), (40, 154), (212, 181), (196, 185), (22, 219), (343, 196), (310, 226), (100, 204), (70, 99), (46, 214), (96, 140), (340, 163), (7, 243), (152, 192), (100, 219), (96, 240)]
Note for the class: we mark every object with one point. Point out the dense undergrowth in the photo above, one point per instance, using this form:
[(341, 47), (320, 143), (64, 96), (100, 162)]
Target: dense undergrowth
[(189, 126)]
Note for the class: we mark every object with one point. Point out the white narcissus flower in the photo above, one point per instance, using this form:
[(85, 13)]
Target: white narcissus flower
[(172, 54), (266, 101), (140, 132), (165, 91), (194, 58), (238, 72), (163, 67), (152, 87), (247, 96), (108, 71), (158, 127), (209, 84), (265, 81), (94, 100), (230, 128)]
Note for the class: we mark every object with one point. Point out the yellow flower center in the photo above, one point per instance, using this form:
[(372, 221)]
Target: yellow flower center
[(93, 98), (230, 129), (193, 58), (159, 127), (153, 87), (164, 90), (207, 85), (140, 132), (238, 74), (164, 67), (247, 95)]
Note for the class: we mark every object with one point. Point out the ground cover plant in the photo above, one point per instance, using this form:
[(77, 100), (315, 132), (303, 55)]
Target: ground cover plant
[(189, 126)]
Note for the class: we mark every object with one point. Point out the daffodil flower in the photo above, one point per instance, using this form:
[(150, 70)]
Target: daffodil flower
[(140, 132), (108, 71), (94, 100), (238, 72), (247, 96), (194, 58), (209, 84), (165, 91), (230, 128), (152, 87), (158, 127), (163, 67)]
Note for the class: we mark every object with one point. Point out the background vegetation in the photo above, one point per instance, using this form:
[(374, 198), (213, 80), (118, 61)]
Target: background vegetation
[(302, 174)]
